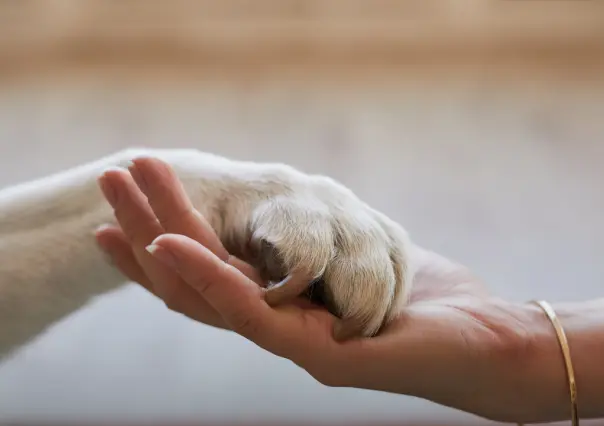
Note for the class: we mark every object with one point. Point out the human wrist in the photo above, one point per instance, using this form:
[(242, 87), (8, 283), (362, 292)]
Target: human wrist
[(546, 380), (508, 365)]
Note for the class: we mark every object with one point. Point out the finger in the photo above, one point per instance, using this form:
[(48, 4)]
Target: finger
[(115, 244), (130, 207), (139, 225), (171, 204), (175, 212), (231, 293), (112, 241)]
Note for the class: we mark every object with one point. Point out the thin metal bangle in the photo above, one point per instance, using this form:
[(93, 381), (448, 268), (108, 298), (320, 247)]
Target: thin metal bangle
[(570, 372)]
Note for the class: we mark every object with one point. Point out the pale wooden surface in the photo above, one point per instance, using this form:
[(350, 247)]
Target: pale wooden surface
[(347, 36), (507, 178), (405, 20)]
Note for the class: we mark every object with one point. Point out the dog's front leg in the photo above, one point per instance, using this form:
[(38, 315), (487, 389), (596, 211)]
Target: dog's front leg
[(50, 264)]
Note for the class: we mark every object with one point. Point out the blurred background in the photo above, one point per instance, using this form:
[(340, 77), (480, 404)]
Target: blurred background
[(478, 125)]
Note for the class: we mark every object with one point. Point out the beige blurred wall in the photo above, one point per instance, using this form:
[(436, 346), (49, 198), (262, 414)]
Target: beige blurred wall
[(493, 156), (347, 37)]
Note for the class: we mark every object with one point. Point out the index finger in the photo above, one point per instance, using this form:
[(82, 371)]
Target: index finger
[(171, 204)]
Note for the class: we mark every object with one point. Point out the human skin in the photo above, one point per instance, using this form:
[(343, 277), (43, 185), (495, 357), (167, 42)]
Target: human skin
[(455, 344)]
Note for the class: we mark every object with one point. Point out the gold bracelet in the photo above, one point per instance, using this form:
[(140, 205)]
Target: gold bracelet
[(551, 314)]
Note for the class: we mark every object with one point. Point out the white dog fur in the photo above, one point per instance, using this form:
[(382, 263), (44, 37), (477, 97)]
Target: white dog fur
[(50, 264)]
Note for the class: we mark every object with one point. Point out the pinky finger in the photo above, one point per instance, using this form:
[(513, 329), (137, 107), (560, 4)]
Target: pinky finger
[(114, 243)]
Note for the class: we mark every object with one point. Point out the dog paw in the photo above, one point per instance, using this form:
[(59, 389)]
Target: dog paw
[(317, 238)]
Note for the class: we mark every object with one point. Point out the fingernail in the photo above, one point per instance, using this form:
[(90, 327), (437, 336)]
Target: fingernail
[(102, 228), (138, 177), (162, 255)]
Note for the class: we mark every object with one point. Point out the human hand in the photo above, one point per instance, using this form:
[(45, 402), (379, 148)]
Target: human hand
[(454, 344), (145, 212)]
